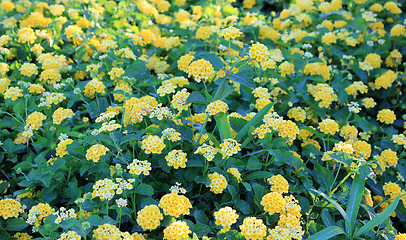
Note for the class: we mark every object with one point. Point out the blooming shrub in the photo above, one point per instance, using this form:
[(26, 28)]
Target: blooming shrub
[(156, 119)]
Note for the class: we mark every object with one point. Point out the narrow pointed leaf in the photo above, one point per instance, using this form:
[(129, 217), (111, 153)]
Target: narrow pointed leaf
[(327, 233), (354, 201), (338, 207), (378, 219), (256, 119)]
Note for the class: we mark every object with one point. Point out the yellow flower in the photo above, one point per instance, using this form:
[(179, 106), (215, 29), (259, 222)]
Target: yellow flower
[(386, 116), (230, 33), (200, 69), (149, 217), (253, 228), (273, 203), (177, 230), (217, 183), (175, 205), (176, 159), (226, 217)]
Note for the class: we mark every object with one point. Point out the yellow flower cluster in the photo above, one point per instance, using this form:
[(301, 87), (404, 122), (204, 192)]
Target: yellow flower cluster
[(175, 205), (10, 208), (138, 167), (386, 79), (288, 129), (115, 72), (322, 92), (70, 235), (208, 151), (235, 173), (38, 213), (349, 133), (226, 217), (61, 148), (110, 126), (34, 121), (61, 114), (177, 230), (184, 61), (153, 144), (400, 236), (229, 147), (28, 69), (362, 148), (388, 157), (108, 231), (13, 93), (273, 202), (93, 87), (215, 107), (176, 159), (286, 68), (259, 52), (278, 184), (386, 116), (399, 139), (179, 100), (253, 228), (171, 134), (95, 152), (329, 126), (200, 69), (217, 183), (356, 87), (230, 33), (149, 217), (261, 131), (392, 189), (318, 68), (136, 108), (297, 113), (22, 236)]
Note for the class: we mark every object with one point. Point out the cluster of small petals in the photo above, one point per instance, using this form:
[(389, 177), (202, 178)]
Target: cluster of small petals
[(13, 93), (138, 167), (389, 157), (318, 68), (208, 151), (362, 148), (176, 159), (217, 183), (297, 113), (286, 68), (61, 114), (61, 148), (106, 231), (93, 87), (34, 121), (226, 217), (29, 69), (10, 208), (217, 106), (70, 235), (171, 134), (253, 228), (386, 79), (386, 116), (177, 230), (273, 202), (392, 189), (200, 69), (149, 218), (235, 173), (153, 144), (110, 126), (356, 87), (179, 100), (95, 152), (259, 52), (230, 33), (324, 93), (329, 126), (38, 213), (184, 61), (278, 184), (229, 147), (175, 205)]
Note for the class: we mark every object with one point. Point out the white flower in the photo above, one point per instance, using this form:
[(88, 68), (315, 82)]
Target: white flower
[(121, 202), (308, 54)]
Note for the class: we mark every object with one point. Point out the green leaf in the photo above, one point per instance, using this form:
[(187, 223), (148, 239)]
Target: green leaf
[(201, 229), (327, 233), (327, 219), (212, 58), (3, 186), (342, 157), (214, 140), (256, 119), (253, 163), (145, 189), (237, 124), (224, 126), (258, 174), (338, 207), (354, 201), (378, 219), (95, 220), (16, 224), (244, 77), (243, 207), (18, 108), (196, 97)]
